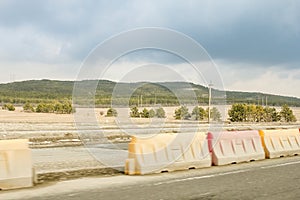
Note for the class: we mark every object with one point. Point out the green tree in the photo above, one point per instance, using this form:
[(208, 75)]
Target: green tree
[(151, 113), (134, 112), (271, 115), (259, 114), (250, 115), (215, 114), (255, 113), (27, 107), (182, 113), (67, 107), (40, 108), (111, 112), (160, 113), (199, 113), (45, 108), (237, 112), (145, 113), (55, 107), (58, 108), (9, 107), (287, 114)]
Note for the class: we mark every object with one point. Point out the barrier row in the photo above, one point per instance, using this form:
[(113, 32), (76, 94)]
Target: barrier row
[(167, 152), (171, 152), (15, 164)]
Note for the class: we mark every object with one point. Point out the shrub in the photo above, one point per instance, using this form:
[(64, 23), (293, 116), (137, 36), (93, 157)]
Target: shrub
[(182, 113), (215, 115), (160, 113), (287, 114), (145, 113), (199, 113), (9, 107), (67, 107), (111, 112), (237, 113), (134, 112), (271, 115), (45, 108), (58, 107), (151, 113), (28, 107)]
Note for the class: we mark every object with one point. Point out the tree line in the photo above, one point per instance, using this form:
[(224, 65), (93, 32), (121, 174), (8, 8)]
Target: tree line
[(145, 113), (181, 113), (256, 113), (198, 113), (136, 113), (238, 112), (64, 107)]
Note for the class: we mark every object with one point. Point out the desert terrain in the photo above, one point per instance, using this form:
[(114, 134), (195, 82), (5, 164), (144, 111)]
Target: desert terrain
[(20, 124)]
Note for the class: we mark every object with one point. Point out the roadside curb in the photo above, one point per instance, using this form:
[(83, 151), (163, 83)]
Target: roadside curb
[(78, 173)]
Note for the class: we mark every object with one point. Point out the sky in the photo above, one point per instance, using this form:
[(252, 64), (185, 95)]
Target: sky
[(254, 44)]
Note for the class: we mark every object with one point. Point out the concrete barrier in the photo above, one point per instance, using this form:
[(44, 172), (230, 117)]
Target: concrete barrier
[(15, 164), (235, 147), (279, 143), (167, 152)]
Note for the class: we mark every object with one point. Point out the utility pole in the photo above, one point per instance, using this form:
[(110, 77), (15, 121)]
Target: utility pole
[(266, 101), (209, 100), (12, 78)]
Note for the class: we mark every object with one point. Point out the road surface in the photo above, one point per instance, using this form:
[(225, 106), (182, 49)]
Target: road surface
[(267, 179), (71, 158)]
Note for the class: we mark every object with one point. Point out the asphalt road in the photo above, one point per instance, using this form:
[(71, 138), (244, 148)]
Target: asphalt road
[(267, 179)]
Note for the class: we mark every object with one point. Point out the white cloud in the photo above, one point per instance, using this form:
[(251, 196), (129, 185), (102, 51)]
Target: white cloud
[(19, 71), (50, 39), (255, 78), (30, 45), (199, 72)]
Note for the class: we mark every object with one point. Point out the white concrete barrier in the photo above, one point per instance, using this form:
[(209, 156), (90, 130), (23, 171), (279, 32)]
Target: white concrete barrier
[(167, 152), (15, 164), (279, 143), (235, 147)]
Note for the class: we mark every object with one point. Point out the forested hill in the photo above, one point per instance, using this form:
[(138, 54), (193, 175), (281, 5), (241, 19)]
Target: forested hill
[(36, 91)]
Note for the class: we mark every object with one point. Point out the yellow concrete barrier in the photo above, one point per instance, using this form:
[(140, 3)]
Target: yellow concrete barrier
[(167, 152), (235, 147), (279, 143), (15, 164)]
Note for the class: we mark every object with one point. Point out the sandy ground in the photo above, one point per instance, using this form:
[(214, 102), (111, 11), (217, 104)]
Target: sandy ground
[(19, 116), (18, 121)]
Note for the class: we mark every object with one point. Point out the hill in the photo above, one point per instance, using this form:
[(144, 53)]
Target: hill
[(145, 93)]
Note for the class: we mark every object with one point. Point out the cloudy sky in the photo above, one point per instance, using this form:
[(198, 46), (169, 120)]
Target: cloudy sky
[(255, 44)]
